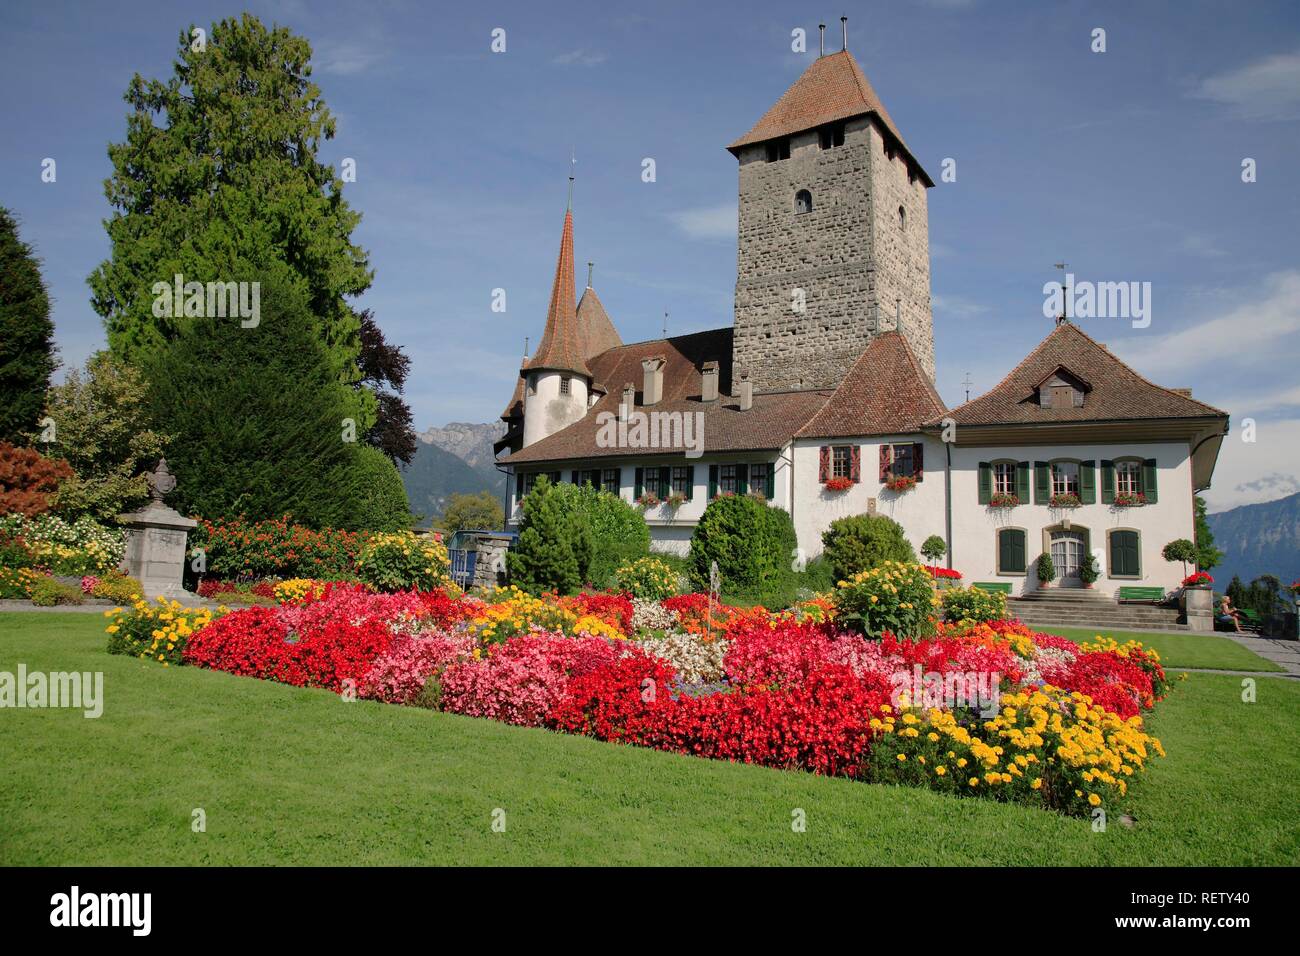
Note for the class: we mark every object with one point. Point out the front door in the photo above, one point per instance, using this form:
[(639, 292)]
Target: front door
[(1067, 555)]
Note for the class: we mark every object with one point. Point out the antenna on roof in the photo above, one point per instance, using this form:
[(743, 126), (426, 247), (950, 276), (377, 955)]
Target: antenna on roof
[(967, 383), (844, 28), (590, 266), (525, 346), (821, 40), (665, 325), (573, 161)]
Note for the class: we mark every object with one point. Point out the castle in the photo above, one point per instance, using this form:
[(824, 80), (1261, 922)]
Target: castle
[(821, 399)]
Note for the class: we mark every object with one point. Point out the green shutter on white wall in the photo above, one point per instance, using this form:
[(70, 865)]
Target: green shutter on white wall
[(985, 482), (742, 479), (1088, 482), (1022, 481), (1149, 480), (690, 482), (713, 482), (1042, 482), (770, 491), (639, 484), (1107, 482)]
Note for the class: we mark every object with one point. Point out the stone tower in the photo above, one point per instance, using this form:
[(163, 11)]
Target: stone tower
[(833, 239)]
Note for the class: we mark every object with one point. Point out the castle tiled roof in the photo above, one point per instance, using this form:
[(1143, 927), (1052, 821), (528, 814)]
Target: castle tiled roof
[(767, 425), (561, 347), (884, 393), (832, 88), (595, 329), (1114, 391)]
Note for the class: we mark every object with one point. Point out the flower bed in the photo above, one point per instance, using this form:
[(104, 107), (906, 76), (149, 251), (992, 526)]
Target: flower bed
[(988, 709)]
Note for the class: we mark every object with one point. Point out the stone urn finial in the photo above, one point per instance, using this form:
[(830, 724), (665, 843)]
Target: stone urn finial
[(161, 481)]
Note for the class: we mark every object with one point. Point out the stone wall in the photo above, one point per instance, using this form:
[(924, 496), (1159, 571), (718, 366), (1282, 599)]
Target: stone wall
[(846, 256)]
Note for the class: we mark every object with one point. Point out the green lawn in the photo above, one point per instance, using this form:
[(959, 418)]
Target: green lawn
[(1183, 650), (298, 776)]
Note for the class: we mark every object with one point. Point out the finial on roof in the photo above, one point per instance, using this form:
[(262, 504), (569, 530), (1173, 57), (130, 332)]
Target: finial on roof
[(573, 161), (844, 28), (590, 265), (821, 40)]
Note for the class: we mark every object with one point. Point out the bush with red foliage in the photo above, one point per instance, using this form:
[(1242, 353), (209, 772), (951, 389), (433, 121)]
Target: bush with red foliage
[(613, 609), (761, 654), (1113, 681), (949, 654), (27, 479), (441, 610)]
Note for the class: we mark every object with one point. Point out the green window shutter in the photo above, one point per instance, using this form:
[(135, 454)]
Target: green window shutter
[(1011, 551), (1022, 481), (1149, 480), (742, 479), (770, 491), (1088, 482), (576, 477), (665, 481), (1124, 553), (713, 482), (639, 485), (1042, 482), (690, 482), (519, 486), (986, 482), (1107, 482)]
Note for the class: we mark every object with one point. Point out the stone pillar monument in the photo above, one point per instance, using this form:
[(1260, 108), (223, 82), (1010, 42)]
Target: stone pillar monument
[(156, 538), (1198, 608)]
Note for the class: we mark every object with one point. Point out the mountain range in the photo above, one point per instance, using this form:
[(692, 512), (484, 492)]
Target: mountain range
[(1258, 539), (454, 459)]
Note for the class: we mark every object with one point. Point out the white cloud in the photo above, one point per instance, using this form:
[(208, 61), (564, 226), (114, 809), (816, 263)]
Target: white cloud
[(1266, 89), (1246, 335), (711, 222), (1198, 244), (955, 306), (347, 57), (580, 58), (1262, 470)]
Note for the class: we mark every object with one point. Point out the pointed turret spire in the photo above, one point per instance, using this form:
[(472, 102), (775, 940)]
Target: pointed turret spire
[(561, 346)]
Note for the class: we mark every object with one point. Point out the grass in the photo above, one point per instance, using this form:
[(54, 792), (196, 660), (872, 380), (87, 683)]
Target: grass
[(1183, 650), (292, 776)]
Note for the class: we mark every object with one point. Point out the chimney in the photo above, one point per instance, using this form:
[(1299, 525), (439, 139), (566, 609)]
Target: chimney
[(821, 40), (629, 397), (844, 28), (653, 389), (709, 384), (746, 392)]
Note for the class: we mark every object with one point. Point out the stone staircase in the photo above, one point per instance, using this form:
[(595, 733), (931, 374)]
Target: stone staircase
[(1081, 607)]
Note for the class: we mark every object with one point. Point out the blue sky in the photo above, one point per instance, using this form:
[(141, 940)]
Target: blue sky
[(1125, 164)]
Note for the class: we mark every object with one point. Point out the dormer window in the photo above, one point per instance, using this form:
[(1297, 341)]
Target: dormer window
[(1062, 389), (803, 201), (778, 150)]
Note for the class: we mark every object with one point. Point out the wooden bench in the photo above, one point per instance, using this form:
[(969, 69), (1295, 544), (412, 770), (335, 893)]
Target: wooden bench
[(1003, 586), (1141, 594)]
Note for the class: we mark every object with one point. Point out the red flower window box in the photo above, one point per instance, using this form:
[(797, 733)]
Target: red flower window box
[(1004, 499), (1064, 501), (900, 483), (842, 483), (1130, 499)]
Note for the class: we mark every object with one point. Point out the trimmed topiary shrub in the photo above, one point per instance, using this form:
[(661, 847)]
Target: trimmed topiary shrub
[(862, 542), (753, 543)]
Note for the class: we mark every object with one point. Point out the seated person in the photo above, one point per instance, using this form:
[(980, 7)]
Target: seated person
[(1228, 614)]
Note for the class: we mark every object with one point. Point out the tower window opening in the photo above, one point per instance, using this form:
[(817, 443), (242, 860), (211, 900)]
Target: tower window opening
[(831, 136), (902, 219), (566, 385), (778, 150), (803, 201)]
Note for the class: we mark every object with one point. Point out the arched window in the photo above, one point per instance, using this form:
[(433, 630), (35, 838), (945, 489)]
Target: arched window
[(902, 218), (803, 201)]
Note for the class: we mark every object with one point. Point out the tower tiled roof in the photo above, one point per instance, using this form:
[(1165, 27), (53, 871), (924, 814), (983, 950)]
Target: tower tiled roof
[(561, 347), (595, 329), (884, 393), (832, 88), (1114, 392)]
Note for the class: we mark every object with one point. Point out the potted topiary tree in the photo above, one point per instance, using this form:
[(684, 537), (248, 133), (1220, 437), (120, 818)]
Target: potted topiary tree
[(934, 548), (1046, 571), (1088, 570), (1180, 550)]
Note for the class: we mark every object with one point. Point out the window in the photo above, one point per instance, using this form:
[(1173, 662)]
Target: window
[(728, 479), (902, 219), (1004, 477), (1065, 478), (831, 136), (610, 480), (842, 462), (1125, 554), (758, 478), (681, 482), (902, 464), (803, 201), (565, 385), (1128, 477), (1011, 551), (532, 385), (778, 150), (530, 479)]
